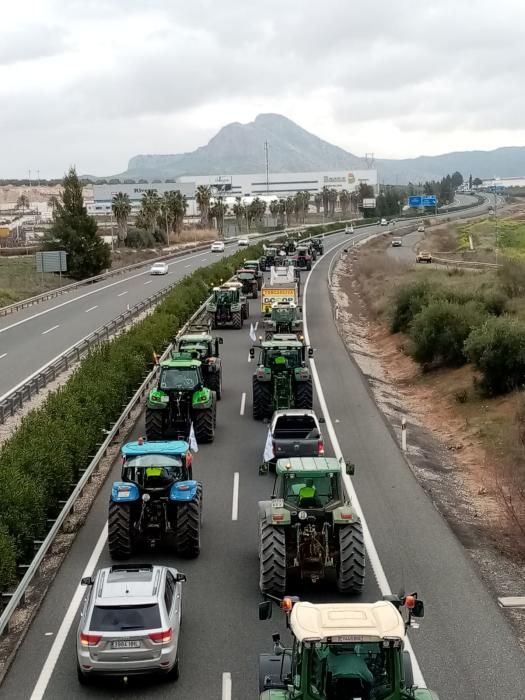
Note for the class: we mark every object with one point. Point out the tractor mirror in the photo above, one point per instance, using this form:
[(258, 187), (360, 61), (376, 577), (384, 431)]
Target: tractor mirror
[(265, 610), (87, 581), (221, 341), (350, 468), (321, 419), (252, 353), (419, 609), (310, 352), (263, 469), (180, 578)]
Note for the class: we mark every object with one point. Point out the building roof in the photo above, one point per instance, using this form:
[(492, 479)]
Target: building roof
[(307, 465), (346, 622), (157, 447)]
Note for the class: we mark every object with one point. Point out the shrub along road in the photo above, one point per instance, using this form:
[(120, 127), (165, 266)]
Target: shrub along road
[(465, 648)]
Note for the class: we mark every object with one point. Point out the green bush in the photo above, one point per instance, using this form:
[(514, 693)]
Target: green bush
[(512, 277), (41, 460), (497, 349), (438, 332), (408, 302)]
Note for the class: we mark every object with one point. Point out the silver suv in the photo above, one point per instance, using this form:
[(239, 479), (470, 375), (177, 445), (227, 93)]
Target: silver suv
[(130, 622)]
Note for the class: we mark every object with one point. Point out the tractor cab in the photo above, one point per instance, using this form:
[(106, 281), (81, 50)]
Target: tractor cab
[(283, 320), (181, 373), (343, 651), (226, 295), (250, 284), (155, 466)]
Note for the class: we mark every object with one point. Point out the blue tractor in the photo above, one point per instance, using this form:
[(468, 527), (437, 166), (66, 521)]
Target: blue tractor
[(156, 499)]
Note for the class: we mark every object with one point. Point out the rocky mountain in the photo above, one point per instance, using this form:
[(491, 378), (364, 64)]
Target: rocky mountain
[(239, 148)]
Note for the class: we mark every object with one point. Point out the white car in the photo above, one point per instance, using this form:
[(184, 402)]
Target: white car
[(243, 242), (349, 229), (421, 228), (397, 243), (384, 222), (159, 268), (217, 247)]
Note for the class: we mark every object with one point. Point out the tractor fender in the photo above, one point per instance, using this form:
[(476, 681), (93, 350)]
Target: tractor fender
[(203, 398), (273, 513), (263, 374), (425, 694), (265, 509), (157, 399), (302, 374), (124, 492), (182, 491), (344, 515), (270, 679)]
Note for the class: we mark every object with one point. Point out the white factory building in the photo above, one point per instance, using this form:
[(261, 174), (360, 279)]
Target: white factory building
[(277, 185)]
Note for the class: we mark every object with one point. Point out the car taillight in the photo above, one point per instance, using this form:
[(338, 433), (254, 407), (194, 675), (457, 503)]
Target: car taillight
[(90, 640), (320, 448), (161, 637)]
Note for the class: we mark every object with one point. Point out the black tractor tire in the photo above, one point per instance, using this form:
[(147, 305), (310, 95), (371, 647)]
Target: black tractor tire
[(272, 560), (215, 383), (309, 266), (204, 424), (188, 530), (255, 293), (262, 399), (120, 542), (304, 394), (246, 309), (259, 283), (154, 424), (408, 670), (351, 564), (237, 320)]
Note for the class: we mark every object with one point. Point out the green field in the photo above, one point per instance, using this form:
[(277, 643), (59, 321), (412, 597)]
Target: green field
[(510, 236), (19, 279)]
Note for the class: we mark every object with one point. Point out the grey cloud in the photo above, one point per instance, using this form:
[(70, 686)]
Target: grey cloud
[(29, 43)]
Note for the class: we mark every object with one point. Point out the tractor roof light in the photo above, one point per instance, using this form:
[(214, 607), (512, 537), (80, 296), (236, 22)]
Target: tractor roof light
[(287, 603)]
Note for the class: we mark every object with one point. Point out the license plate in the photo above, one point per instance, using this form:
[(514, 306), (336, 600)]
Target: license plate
[(125, 644)]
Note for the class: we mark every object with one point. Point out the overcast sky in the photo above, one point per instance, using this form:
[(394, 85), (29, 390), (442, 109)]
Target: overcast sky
[(93, 82)]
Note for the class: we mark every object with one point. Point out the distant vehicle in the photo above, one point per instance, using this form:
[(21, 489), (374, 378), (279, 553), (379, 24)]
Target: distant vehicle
[(384, 222), (349, 229), (130, 622), (217, 247), (243, 242), (424, 256), (397, 243), (159, 268), (421, 228)]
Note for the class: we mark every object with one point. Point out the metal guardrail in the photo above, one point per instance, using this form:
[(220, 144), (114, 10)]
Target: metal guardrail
[(17, 597), (465, 263)]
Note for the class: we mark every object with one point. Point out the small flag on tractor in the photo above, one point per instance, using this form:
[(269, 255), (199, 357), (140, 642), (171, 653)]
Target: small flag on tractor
[(193, 440), (253, 337), (268, 448)]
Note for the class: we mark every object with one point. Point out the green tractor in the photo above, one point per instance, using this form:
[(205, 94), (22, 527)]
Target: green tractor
[(250, 284), (204, 347), (343, 651), (267, 260), (179, 400), (283, 319), (254, 265), (282, 378), (309, 530), (225, 308)]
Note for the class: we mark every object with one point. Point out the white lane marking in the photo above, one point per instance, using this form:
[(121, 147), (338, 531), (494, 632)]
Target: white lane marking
[(122, 293), (226, 686), (187, 265), (88, 294), (2, 356), (69, 618), (53, 328), (371, 551), (243, 402), (91, 308), (235, 499), (148, 282)]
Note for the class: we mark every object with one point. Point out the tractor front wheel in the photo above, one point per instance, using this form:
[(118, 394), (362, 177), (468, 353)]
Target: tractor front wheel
[(188, 530), (204, 423), (272, 560), (215, 383), (304, 394), (262, 399), (119, 530), (351, 564), (154, 424)]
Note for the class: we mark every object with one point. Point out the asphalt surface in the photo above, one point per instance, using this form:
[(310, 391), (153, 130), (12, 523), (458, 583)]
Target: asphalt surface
[(465, 648)]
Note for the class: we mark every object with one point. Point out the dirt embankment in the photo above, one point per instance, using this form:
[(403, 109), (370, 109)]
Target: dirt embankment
[(466, 451)]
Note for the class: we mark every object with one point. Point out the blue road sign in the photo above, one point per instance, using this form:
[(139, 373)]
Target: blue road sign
[(414, 202), (425, 201)]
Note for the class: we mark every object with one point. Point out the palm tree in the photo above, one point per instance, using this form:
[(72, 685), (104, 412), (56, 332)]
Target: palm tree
[(325, 195), (150, 209), (22, 202), (121, 208), (289, 207), (345, 200), (239, 211), (179, 206), (274, 208), (202, 197), (282, 212), (218, 211), (333, 196), (318, 200)]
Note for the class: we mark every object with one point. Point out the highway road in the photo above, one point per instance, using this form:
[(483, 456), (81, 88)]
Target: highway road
[(465, 648)]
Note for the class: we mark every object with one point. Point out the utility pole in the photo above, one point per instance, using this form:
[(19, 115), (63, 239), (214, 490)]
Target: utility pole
[(38, 177), (29, 178), (496, 218), (267, 167)]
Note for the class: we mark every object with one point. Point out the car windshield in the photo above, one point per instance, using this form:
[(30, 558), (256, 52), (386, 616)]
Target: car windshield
[(178, 378), (309, 492), (364, 670), (119, 618), (245, 275)]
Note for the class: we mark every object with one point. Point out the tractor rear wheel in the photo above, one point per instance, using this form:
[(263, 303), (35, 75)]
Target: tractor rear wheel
[(154, 424), (237, 319), (215, 383), (351, 564), (246, 310), (272, 559), (119, 530), (188, 530), (262, 399), (304, 394), (204, 424)]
